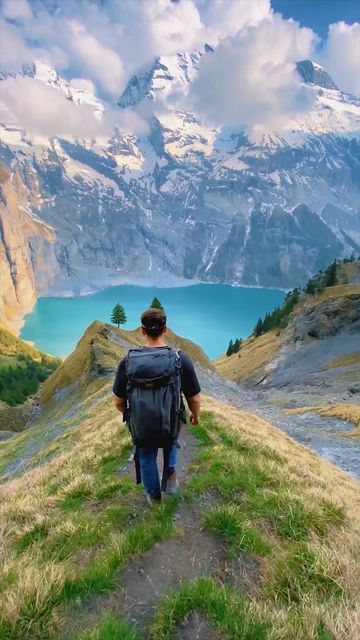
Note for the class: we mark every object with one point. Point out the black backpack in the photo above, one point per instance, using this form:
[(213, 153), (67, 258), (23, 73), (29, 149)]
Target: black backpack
[(154, 404)]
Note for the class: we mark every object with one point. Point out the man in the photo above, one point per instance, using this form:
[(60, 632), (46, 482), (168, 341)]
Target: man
[(139, 383)]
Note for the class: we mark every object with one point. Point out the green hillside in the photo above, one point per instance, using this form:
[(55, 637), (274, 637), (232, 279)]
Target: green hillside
[(262, 542), (22, 368)]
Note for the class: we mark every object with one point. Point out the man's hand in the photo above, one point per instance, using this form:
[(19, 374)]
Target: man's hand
[(194, 406), (193, 419)]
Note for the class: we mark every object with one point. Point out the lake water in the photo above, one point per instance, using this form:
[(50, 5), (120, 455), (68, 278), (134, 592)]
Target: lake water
[(208, 314)]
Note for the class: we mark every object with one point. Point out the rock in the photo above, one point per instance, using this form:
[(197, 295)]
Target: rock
[(354, 389), (325, 318)]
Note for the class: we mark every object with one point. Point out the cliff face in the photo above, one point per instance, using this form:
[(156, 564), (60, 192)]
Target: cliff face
[(27, 257), (328, 316)]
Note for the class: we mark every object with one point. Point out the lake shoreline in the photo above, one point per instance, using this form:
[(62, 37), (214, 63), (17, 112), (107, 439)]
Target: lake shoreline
[(99, 280)]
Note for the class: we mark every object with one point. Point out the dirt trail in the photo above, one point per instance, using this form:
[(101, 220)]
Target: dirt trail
[(191, 552)]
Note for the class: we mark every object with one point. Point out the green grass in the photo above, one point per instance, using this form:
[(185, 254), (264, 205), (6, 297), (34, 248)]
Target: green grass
[(119, 515), (228, 520), (37, 533), (226, 609), (301, 572), (108, 628), (104, 522), (73, 501)]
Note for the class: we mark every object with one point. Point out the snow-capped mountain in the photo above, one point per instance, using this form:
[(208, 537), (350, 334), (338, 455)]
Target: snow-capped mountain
[(264, 208)]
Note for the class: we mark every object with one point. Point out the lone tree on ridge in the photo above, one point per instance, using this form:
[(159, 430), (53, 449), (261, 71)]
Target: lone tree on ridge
[(118, 315), (156, 304)]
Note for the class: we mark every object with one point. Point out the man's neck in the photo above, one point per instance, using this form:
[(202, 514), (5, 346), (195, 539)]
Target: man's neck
[(155, 342)]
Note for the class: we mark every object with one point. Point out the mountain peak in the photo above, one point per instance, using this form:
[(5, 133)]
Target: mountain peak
[(313, 73), (165, 75)]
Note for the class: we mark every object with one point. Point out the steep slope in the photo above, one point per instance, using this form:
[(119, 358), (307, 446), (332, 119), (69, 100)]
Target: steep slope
[(22, 369), (313, 363), (27, 254), (265, 208), (264, 543), (80, 383)]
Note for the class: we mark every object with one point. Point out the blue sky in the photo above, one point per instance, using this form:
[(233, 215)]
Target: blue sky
[(318, 14)]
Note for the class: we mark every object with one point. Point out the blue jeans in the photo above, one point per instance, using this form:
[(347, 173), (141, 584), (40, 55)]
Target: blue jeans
[(149, 470)]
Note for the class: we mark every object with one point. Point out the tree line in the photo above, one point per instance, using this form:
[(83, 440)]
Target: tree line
[(20, 380), (234, 346)]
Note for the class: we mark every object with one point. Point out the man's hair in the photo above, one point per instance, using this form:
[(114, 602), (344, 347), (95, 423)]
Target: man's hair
[(153, 322)]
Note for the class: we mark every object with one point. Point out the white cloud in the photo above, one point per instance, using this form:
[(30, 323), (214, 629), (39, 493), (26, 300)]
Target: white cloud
[(102, 63), (173, 26), (341, 56), (250, 79), (99, 44), (227, 17), (46, 111), (16, 9)]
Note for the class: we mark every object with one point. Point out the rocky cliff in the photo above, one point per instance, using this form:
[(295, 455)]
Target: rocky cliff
[(27, 253)]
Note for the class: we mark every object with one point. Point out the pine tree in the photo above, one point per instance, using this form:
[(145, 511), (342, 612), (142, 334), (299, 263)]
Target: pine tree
[(230, 349), (236, 346), (310, 288), (118, 315), (331, 275), (156, 304), (258, 328)]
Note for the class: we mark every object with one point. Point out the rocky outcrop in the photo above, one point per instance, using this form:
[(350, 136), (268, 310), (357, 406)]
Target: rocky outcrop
[(325, 318), (27, 258)]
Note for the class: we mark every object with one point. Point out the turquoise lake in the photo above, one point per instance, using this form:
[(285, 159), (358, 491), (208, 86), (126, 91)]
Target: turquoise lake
[(208, 314)]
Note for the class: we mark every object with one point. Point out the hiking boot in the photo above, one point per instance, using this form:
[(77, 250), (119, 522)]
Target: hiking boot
[(152, 501), (172, 485)]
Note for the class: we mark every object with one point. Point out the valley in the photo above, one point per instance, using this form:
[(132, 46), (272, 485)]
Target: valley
[(182, 200)]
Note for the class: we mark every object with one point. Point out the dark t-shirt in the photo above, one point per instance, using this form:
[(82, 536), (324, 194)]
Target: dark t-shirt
[(189, 382)]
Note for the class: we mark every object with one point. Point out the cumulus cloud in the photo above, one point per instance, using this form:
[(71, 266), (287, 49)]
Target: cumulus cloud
[(102, 63), (227, 17), (16, 9), (341, 55), (48, 112), (250, 79)]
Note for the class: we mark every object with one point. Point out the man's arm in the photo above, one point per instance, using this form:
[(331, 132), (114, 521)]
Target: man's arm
[(194, 403), (119, 403), (119, 388)]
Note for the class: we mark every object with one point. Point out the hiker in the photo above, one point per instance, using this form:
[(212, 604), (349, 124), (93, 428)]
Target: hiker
[(148, 390)]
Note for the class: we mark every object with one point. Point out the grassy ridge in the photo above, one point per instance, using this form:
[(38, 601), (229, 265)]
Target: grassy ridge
[(68, 526)]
